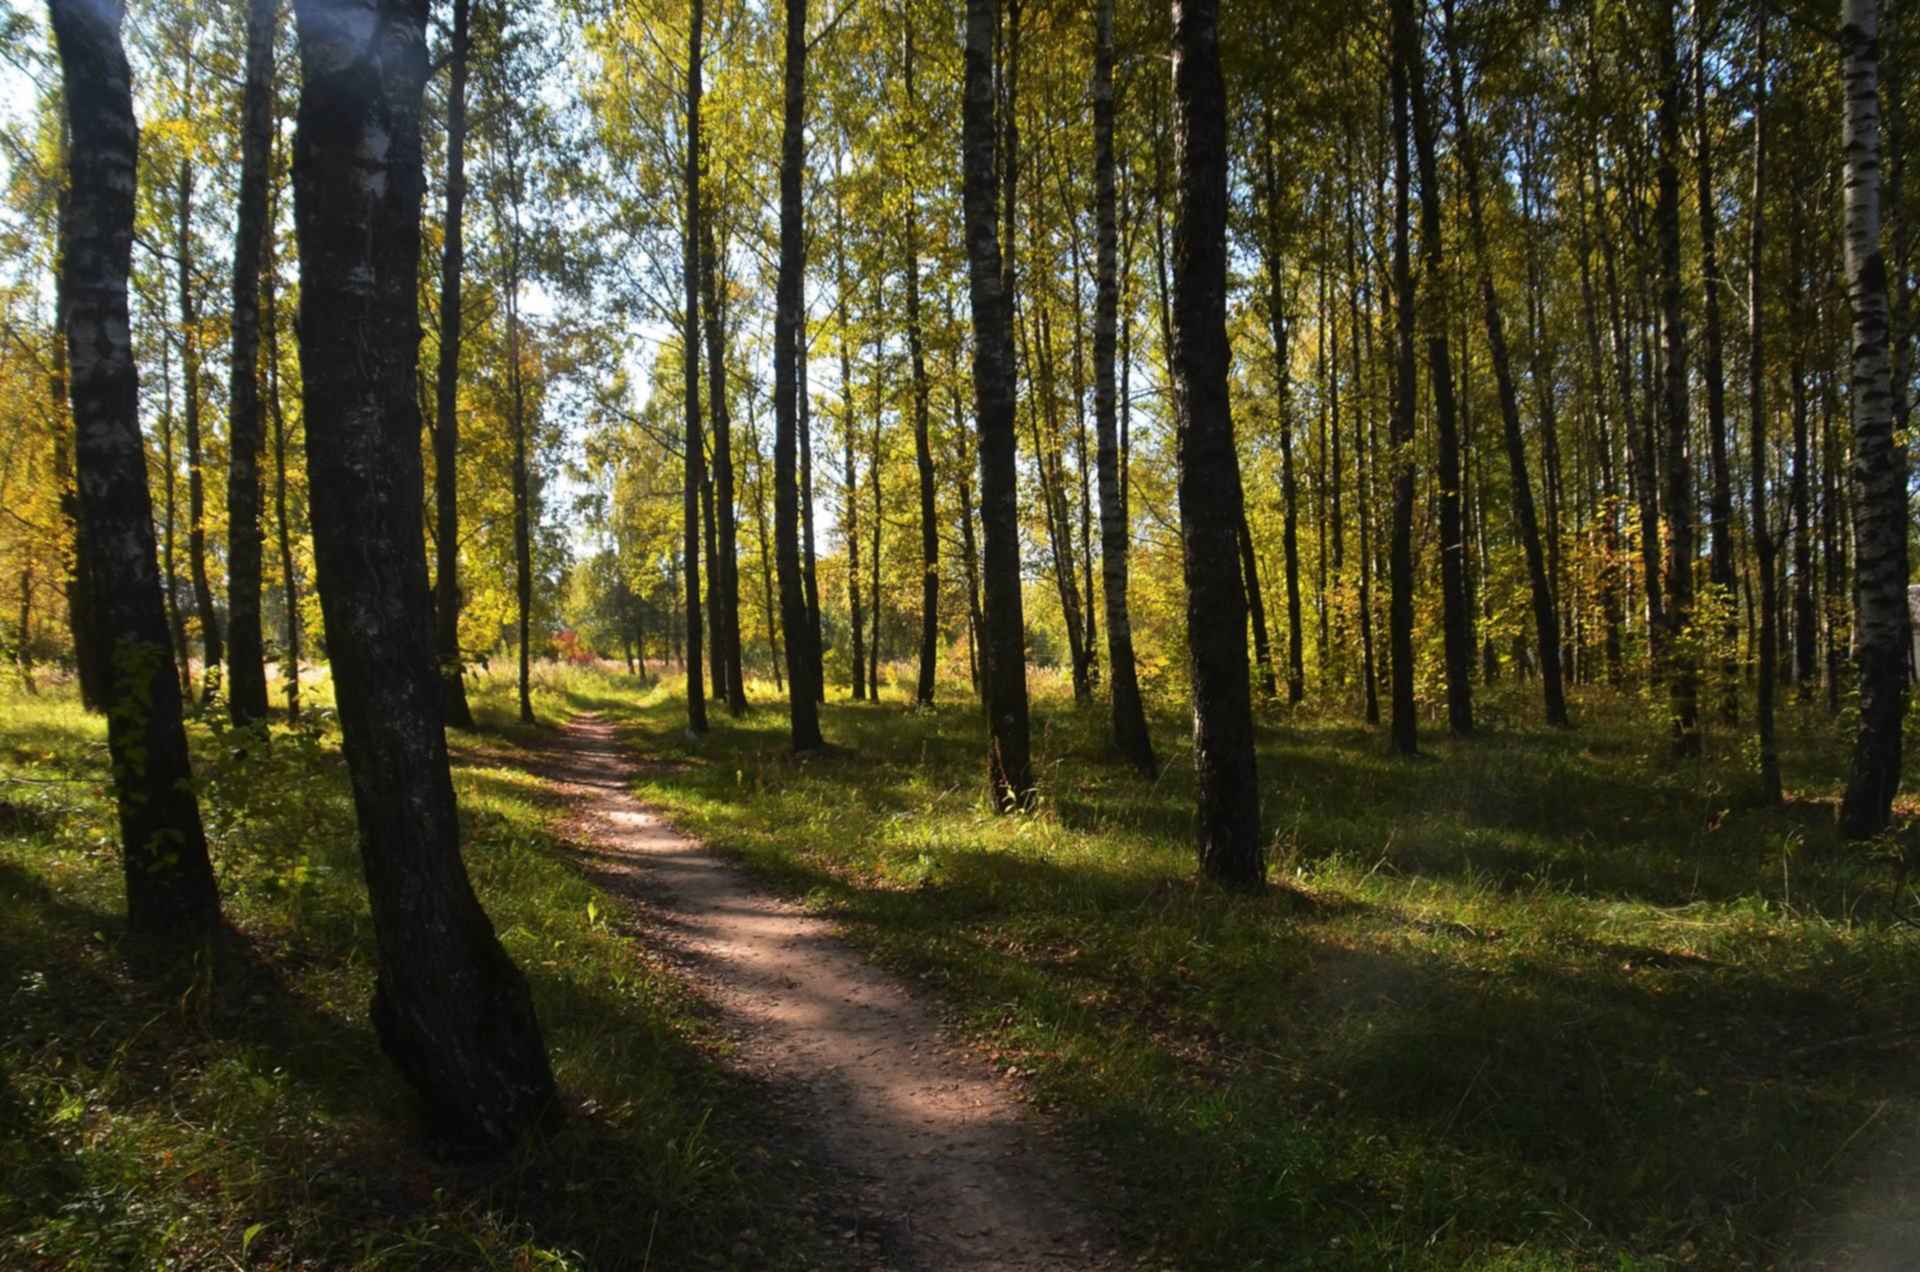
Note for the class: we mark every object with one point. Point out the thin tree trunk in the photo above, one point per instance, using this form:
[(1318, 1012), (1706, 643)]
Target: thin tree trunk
[(522, 486), (1400, 436), (246, 655), (850, 506), (1363, 489), (283, 533), (922, 438), (1720, 504), (1230, 845), (196, 480), (1009, 762), (803, 403), (1763, 545), (447, 595), (797, 611), (725, 566), (1256, 606), (1456, 619), (1546, 618), (694, 476), (169, 520), (879, 521), (1800, 661), (169, 879), (1684, 671), (1130, 736), (1879, 464)]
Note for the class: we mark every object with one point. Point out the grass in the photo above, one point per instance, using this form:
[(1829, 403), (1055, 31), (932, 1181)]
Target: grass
[(1542, 1000), (239, 1112)]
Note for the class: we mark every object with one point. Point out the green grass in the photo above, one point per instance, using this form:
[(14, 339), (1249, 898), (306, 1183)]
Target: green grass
[(239, 1113), (1539, 1000)]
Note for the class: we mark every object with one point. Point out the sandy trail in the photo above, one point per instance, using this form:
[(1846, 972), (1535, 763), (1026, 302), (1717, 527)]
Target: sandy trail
[(934, 1162)]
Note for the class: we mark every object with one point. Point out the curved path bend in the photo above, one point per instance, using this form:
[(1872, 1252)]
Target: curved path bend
[(933, 1162)]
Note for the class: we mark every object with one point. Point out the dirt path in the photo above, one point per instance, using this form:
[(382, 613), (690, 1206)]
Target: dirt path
[(935, 1163)]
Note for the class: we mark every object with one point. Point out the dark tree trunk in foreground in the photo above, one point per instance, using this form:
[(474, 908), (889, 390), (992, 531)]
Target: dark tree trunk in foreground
[(1009, 760), (1879, 464), (1763, 545), (1456, 617), (169, 880), (246, 652), (446, 422), (1230, 846), (1683, 662), (1130, 736), (452, 1010), (803, 697), (694, 474), (1406, 729)]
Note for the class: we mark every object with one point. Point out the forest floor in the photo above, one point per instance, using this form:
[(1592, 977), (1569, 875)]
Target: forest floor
[(1541, 999), (933, 1160)]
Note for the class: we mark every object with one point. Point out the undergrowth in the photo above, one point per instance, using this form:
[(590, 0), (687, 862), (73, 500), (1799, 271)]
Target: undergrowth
[(1542, 999), (239, 1112)]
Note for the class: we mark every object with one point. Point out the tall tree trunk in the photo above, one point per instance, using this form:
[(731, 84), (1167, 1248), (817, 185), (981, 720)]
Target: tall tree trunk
[(451, 1009), (724, 584), (1456, 619), (1279, 328), (1227, 790), (1130, 736), (89, 662), (879, 521), (447, 596), (1683, 671), (1645, 485), (1833, 552), (1009, 761), (1879, 463), (694, 476), (1609, 514), (850, 505), (803, 403), (922, 437), (169, 879), (1363, 490), (1800, 662), (210, 642), (522, 485), (1763, 545), (246, 653), (1546, 617), (1406, 738), (789, 337), (1720, 502), (1256, 606), (169, 520), (283, 530)]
